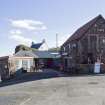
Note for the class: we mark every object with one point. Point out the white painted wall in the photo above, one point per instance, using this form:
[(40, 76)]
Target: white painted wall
[(43, 47)]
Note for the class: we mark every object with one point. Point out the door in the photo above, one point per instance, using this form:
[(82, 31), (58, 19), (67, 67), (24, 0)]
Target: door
[(65, 63)]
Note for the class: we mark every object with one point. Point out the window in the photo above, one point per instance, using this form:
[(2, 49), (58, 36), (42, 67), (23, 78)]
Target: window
[(17, 63), (31, 62), (74, 45), (69, 46), (64, 49), (25, 64), (100, 30), (103, 40), (95, 25)]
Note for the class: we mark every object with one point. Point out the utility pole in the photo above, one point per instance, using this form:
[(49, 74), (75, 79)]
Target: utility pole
[(56, 41)]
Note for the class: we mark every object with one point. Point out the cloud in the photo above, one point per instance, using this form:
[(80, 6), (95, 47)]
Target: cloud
[(28, 24), (21, 39), (18, 32)]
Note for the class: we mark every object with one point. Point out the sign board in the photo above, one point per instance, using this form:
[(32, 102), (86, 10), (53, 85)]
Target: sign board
[(97, 67)]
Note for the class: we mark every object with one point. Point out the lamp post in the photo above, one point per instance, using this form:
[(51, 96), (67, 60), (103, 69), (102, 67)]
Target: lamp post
[(56, 41)]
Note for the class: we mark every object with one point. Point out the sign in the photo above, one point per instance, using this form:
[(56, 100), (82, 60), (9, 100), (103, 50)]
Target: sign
[(97, 67)]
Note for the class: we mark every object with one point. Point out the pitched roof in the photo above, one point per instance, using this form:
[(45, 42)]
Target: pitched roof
[(82, 30), (36, 46), (23, 53), (35, 54), (44, 54)]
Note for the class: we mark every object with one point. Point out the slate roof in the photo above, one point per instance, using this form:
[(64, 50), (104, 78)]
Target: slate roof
[(23, 53), (44, 54), (82, 30), (36, 46)]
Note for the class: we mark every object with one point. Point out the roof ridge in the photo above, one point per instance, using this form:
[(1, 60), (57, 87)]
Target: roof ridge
[(83, 29), (96, 18)]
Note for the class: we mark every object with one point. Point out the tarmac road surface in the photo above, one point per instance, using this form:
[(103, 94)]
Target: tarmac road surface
[(56, 89)]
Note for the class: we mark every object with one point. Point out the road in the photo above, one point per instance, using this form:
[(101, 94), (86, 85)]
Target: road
[(56, 89)]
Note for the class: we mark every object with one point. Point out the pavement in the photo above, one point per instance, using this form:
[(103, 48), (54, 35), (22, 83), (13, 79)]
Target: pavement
[(56, 89)]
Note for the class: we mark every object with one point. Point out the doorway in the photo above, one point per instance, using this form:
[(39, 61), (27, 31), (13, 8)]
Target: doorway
[(90, 58)]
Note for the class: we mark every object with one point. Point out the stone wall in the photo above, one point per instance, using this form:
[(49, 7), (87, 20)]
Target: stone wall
[(4, 69)]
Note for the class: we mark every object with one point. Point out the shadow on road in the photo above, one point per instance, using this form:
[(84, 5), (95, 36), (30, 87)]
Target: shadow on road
[(45, 74)]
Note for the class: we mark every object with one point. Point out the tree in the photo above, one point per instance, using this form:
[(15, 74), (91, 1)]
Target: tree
[(23, 47), (54, 49)]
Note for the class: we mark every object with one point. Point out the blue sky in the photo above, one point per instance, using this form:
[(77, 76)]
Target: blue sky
[(23, 21)]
